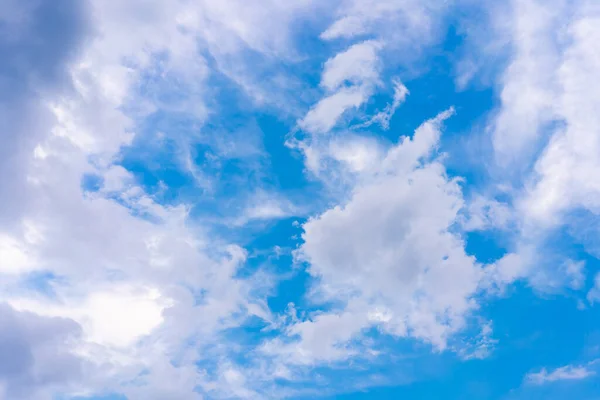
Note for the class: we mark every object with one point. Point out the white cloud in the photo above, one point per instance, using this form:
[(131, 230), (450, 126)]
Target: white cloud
[(548, 80), (389, 252), (325, 338), (358, 153), (484, 213), (14, 258), (145, 291), (509, 268), (383, 117), (544, 134), (345, 27), (564, 173), (140, 279), (124, 279), (400, 23), (575, 273), (264, 206), (593, 295), (481, 346), (359, 63), (568, 372), (358, 66), (114, 317), (326, 113), (383, 32), (527, 85)]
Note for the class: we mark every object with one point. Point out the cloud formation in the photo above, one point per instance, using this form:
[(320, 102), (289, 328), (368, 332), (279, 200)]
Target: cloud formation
[(226, 199), (568, 372)]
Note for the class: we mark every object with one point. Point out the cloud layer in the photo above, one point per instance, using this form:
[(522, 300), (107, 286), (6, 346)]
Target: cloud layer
[(238, 199)]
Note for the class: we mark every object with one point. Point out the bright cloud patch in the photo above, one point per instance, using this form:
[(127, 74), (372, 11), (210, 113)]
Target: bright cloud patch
[(389, 248)]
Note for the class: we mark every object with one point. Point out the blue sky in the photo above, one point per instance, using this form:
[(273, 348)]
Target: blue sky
[(268, 200)]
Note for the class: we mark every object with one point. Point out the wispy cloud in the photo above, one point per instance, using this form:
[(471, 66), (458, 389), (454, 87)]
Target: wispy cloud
[(383, 117), (568, 372)]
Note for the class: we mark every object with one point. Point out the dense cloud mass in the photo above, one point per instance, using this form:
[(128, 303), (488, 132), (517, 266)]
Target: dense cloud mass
[(37, 353), (38, 41)]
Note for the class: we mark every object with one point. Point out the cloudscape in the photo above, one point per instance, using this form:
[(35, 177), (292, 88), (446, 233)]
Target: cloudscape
[(299, 199)]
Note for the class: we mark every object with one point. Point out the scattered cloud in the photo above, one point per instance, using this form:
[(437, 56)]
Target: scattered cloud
[(139, 139), (568, 372)]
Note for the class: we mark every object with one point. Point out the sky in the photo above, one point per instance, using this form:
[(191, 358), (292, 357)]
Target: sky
[(260, 199)]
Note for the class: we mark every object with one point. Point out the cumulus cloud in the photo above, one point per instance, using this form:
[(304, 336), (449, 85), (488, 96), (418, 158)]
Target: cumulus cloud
[(389, 256)]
